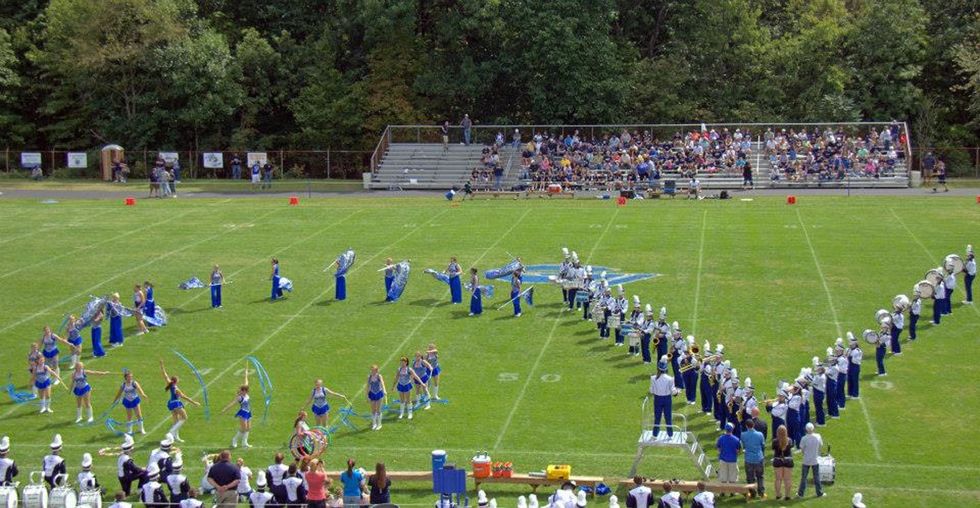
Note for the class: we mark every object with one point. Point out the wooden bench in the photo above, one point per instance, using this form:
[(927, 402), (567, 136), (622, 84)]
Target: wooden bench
[(496, 194), (546, 194), (536, 481), (407, 476), (746, 489)]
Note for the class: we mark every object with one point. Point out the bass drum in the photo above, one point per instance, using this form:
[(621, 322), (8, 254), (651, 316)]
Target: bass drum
[(901, 303), (871, 337), (8, 496), (953, 264), (90, 498), (62, 497), (35, 496), (924, 289), (934, 276)]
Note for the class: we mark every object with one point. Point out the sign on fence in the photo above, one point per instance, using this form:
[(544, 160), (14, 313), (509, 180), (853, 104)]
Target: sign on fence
[(168, 157), (77, 160), (260, 157), (214, 160), (30, 159)]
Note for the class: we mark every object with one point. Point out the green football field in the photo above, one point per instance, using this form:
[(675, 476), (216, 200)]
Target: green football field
[(776, 284)]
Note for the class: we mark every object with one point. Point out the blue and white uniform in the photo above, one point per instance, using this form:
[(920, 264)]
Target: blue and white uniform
[(130, 395), (74, 335), (216, 289), (515, 291), (375, 390), (320, 405), (97, 350), (662, 389), (404, 380), (49, 347), (455, 287), (476, 296), (80, 384), (174, 403), (914, 310), (150, 306), (276, 292), (115, 324), (433, 358), (42, 378), (244, 407), (950, 287), (969, 274), (421, 371)]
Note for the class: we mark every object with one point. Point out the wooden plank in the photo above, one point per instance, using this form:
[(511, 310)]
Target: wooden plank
[(536, 481)]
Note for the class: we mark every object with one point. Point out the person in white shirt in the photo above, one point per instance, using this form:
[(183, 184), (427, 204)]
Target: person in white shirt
[(662, 388), (53, 464), (259, 498), (969, 273), (670, 499), (950, 287), (938, 303), (810, 446), (703, 499), (151, 493), (244, 487), (640, 496), (8, 468)]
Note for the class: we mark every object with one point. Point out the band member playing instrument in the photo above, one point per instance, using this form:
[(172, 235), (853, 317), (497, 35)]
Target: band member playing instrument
[(577, 276), (778, 409), (649, 328), (244, 413), (950, 282), (126, 469), (832, 375), (819, 389), (678, 348), (969, 274), (939, 303), (319, 404), (842, 377), (606, 302), (793, 421), (854, 357), (376, 392), (881, 348), (662, 389), (455, 286), (476, 294), (689, 366), (389, 276), (705, 374), (749, 401), (515, 291), (733, 395), (663, 333), (898, 323), (588, 288), (914, 310), (563, 269)]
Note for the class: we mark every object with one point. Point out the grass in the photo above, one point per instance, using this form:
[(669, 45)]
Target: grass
[(776, 284)]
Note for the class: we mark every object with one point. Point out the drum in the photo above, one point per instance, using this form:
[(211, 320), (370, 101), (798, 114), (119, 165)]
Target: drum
[(35, 494), (614, 320), (634, 338), (8, 496), (90, 498), (569, 284), (62, 496), (924, 289), (953, 264), (596, 312), (871, 337), (901, 303), (581, 297), (934, 276)]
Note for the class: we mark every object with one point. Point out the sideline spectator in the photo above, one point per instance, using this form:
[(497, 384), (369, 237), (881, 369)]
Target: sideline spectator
[(444, 130), (236, 168), (380, 484), (747, 176), (940, 176), (36, 173), (810, 445), (295, 487), (760, 425), (244, 480), (782, 461), (316, 481), (640, 496), (754, 444), (267, 175), (224, 477), (176, 168), (256, 170), (353, 480), (467, 125), (728, 449)]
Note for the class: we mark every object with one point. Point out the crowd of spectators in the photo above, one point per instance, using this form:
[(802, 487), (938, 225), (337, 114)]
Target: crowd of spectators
[(628, 160)]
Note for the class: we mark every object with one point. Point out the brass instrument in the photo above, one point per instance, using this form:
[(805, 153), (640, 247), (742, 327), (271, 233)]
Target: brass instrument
[(687, 367), (670, 356), (695, 350)]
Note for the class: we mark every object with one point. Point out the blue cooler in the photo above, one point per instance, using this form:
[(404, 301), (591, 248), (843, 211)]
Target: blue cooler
[(438, 459)]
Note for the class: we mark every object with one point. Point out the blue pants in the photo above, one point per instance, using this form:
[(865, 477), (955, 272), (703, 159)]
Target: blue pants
[(937, 310), (517, 301), (276, 292), (804, 415), (645, 347), (793, 426), (722, 411), (115, 330), (968, 284), (455, 289), (776, 423), (603, 327), (662, 407), (818, 406), (585, 309), (948, 301), (880, 358), (97, 350), (853, 375), (913, 320), (832, 398), (466, 136), (216, 296), (706, 397), (691, 385), (816, 480), (476, 302), (896, 342), (841, 390), (678, 378), (388, 282), (340, 288), (661, 348)]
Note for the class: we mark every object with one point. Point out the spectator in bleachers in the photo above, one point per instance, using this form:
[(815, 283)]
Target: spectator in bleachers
[(444, 131), (467, 126)]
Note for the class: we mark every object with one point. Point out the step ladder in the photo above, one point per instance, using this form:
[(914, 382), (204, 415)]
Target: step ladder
[(679, 437)]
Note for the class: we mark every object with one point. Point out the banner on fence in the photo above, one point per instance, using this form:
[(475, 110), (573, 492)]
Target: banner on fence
[(168, 157), (77, 160), (30, 159), (214, 160), (260, 157)]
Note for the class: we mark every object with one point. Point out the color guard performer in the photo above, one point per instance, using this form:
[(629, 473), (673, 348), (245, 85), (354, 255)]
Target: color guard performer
[(217, 280), (97, 350), (318, 402), (82, 390), (515, 291), (116, 310), (476, 295), (276, 291), (938, 303), (662, 389), (244, 413), (131, 392), (41, 376), (819, 391), (832, 375), (376, 392), (854, 357), (969, 274), (455, 286), (422, 369), (389, 276)]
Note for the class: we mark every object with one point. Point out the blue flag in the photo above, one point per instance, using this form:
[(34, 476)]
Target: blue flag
[(344, 262), (191, 283), (503, 271), (439, 276), (401, 280)]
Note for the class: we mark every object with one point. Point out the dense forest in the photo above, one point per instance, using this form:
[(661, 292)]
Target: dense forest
[(281, 74)]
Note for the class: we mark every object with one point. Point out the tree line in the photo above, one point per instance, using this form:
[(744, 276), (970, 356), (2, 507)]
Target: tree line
[(313, 74)]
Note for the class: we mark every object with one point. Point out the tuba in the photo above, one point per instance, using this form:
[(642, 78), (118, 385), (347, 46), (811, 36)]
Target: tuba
[(901, 303)]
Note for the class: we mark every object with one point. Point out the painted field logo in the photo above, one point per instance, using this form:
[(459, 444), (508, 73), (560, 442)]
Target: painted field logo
[(538, 274)]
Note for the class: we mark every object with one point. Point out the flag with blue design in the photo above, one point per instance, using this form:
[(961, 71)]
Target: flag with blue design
[(439, 276), (94, 305), (401, 280), (529, 296), (159, 318), (192, 283), (485, 291), (285, 284), (344, 262), (504, 271)]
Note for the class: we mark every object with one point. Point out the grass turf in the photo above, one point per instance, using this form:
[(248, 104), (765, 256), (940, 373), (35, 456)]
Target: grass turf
[(776, 284)]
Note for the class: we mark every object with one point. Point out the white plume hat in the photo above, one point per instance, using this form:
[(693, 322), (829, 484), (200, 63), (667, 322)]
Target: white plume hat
[(581, 500), (564, 251), (86, 460), (613, 501), (260, 480), (4, 444), (481, 497), (128, 442), (56, 442), (153, 471), (521, 502)]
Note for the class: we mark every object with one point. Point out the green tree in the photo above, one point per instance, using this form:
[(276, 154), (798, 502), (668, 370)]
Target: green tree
[(9, 84)]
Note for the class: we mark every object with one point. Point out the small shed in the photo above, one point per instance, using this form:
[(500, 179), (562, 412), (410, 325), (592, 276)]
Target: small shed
[(110, 154)]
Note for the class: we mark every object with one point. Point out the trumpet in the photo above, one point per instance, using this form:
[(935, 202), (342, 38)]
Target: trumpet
[(695, 350), (670, 356), (687, 367)]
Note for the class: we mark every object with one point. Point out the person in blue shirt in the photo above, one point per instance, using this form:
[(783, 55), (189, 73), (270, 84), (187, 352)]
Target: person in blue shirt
[(389, 276), (352, 480), (728, 449), (217, 280), (753, 442), (244, 413)]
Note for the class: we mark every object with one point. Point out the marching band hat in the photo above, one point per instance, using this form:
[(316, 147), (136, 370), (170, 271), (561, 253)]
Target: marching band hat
[(690, 339), (603, 275), (719, 349), (839, 342), (86, 460), (748, 384), (969, 249), (567, 484), (620, 288), (564, 251), (260, 480), (521, 502), (733, 373), (727, 364), (857, 501), (532, 501), (588, 269), (56, 442), (153, 471), (127, 443), (782, 393), (675, 325), (481, 498), (178, 461), (662, 365), (663, 312), (649, 309), (4, 444), (613, 502), (636, 300), (493, 503), (575, 256), (851, 337), (816, 361), (830, 351), (168, 441)]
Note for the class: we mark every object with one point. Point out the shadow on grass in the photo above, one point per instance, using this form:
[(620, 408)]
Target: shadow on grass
[(177, 312), (428, 302)]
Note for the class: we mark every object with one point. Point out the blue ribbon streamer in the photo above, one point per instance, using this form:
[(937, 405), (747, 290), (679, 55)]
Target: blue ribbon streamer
[(264, 382), (200, 380), (15, 396)]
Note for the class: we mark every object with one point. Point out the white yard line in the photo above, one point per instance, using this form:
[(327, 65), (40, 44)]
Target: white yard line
[(89, 290), (551, 335), (924, 248), (309, 304), (398, 350), (265, 259), (840, 330), (93, 245), (697, 284)]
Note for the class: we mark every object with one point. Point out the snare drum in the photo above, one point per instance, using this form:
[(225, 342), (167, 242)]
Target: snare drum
[(90, 498), (634, 338), (8, 496), (581, 297), (597, 313), (614, 320), (63, 497)]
